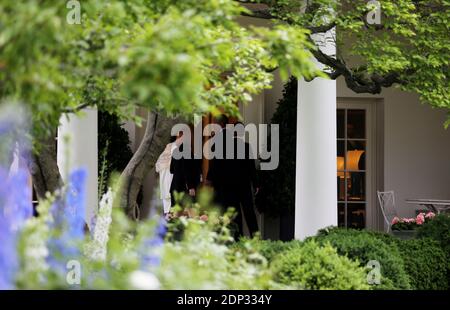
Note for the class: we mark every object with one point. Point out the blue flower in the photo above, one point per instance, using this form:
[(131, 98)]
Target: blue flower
[(68, 225), (15, 209), (162, 228), (8, 255), (151, 246)]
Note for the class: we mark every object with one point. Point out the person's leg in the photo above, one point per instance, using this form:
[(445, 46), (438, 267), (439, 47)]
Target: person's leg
[(238, 224), (230, 198), (166, 206), (172, 197), (246, 198)]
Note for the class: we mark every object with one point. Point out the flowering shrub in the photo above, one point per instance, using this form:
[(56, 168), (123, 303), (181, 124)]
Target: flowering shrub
[(411, 223)]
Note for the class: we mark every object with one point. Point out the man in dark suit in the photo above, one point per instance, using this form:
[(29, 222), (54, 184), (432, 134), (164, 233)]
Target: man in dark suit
[(186, 173), (234, 180)]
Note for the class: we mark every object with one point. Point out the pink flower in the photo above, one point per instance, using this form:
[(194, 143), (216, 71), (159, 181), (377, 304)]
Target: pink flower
[(204, 217), (395, 220), (420, 219), (430, 215)]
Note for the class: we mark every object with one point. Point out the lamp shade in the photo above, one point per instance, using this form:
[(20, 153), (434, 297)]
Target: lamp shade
[(353, 158), (340, 166)]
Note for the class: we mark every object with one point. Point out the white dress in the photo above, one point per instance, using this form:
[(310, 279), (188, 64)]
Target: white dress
[(165, 177)]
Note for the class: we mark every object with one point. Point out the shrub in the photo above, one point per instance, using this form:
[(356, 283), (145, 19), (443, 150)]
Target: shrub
[(201, 260), (277, 193), (114, 148), (267, 248), (310, 266), (425, 263), (439, 230), (365, 246)]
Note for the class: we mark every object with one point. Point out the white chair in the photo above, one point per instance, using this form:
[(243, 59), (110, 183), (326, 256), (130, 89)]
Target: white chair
[(387, 204)]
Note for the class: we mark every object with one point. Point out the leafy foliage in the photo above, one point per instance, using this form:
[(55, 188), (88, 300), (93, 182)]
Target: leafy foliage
[(437, 229), (277, 194), (202, 260), (426, 263), (114, 148), (267, 248), (409, 48), (164, 55), (364, 247), (312, 266)]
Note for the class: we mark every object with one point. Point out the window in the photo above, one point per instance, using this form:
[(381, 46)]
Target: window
[(351, 167)]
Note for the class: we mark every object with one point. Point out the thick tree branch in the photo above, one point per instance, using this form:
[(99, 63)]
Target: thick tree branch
[(357, 82), (355, 78), (75, 109)]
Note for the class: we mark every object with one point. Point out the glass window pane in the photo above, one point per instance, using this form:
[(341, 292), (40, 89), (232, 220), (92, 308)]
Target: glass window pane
[(340, 169), (356, 215), (340, 155), (356, 186), (356, 124), (341, 214), (341, 186), (356, 155), (340, 120)]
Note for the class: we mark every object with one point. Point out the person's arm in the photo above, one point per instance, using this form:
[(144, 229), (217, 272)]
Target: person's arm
[(210, 176), (172, 165)]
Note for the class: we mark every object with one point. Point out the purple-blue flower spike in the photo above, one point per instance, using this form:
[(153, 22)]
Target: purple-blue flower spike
[(15, 209)]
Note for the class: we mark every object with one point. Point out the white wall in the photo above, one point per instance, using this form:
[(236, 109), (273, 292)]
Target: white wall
[(78, 148)]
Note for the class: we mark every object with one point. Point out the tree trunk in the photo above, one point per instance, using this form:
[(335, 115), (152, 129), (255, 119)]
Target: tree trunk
[(43, 167), (156, 137)]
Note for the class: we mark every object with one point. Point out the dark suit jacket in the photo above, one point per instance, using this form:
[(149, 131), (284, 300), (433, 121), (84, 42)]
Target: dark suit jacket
[(186, 173), (233, 173)]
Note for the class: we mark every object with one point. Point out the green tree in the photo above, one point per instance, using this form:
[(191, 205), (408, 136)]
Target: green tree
[(166, 56), (170, 57), (408, 49)]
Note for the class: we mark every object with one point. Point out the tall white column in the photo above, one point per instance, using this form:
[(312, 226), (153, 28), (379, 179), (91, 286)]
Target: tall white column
[(78, 148), (316, 187)]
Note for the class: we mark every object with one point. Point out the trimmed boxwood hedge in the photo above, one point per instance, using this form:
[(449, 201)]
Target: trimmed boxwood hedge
[(425, 263), (365, 246), (437, 229), (422, 264), (309, 265), (267, 248)]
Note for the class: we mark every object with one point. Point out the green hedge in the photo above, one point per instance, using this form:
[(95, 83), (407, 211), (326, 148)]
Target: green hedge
[(425, 263), (437, 229), (267, 248), (365, 246), (311, 266), (422, 264)]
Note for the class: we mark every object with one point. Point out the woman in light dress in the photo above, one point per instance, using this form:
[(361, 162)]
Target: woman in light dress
[(165, 177)]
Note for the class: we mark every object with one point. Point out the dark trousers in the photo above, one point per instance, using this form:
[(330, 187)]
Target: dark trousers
[(241, 198)]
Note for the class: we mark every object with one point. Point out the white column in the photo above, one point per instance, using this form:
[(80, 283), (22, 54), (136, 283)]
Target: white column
[(316, 189), (78, 148)]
